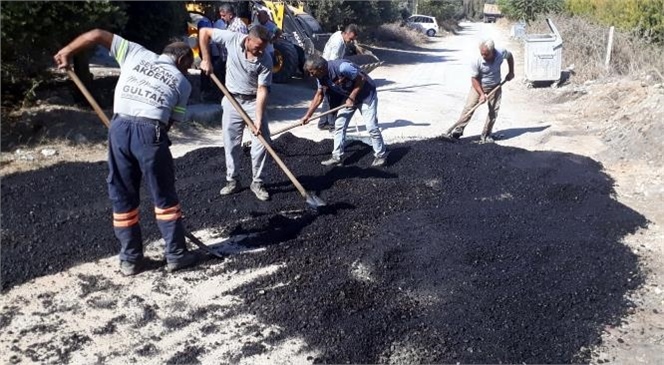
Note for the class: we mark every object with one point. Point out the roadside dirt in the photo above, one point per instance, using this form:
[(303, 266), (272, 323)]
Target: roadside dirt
[(545, 247)]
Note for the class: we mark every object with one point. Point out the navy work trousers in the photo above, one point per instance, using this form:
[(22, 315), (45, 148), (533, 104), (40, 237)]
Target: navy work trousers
[(139, 147)]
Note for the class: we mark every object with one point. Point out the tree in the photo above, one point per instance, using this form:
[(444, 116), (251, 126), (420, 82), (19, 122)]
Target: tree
[(442, 9), (472, 8), (335, 14), (154, 24), (528, 10), (33, 31)]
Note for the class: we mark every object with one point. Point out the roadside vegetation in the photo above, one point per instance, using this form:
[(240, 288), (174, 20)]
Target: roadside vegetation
[(585, 46), (584, 26)]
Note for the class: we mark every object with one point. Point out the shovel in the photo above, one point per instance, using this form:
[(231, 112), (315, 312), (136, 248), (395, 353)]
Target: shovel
[(295, 125), (446, 136), (311, 199), (107, 123)]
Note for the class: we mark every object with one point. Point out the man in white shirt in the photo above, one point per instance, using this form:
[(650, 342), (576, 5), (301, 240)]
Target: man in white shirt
[(335, 48)]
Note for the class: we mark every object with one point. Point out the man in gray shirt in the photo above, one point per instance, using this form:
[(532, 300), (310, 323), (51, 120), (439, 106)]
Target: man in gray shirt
[(485, 77), (248, 77)]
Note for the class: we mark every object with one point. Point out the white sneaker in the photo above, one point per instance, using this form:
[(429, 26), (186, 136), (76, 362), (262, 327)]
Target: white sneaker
[(231, 187), (259, 190)]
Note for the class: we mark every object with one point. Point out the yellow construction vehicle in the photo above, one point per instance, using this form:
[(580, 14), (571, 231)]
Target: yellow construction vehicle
[(302, 35)]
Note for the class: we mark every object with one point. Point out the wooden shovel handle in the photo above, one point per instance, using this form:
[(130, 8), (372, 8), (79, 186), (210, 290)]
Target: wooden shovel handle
[(88, 96), (488, 96), (295, 125), (252, 127)]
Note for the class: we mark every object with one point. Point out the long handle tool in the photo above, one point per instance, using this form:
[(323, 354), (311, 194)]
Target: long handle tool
[(446, 138), (311, 199), (104, 119), (488, 96), (298, 124)]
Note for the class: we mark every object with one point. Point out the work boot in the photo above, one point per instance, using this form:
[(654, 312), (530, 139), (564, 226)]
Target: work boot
[(187, 260), (129, 268), (231, 187), (333, 161), (259, 190)]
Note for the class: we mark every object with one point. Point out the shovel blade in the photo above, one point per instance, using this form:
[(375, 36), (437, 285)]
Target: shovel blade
[(314, 201)]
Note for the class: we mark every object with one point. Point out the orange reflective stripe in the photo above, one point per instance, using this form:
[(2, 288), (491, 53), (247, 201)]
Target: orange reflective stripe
[(123, 216), (169, 217), (168, 214), (173, 209), (125, 223)]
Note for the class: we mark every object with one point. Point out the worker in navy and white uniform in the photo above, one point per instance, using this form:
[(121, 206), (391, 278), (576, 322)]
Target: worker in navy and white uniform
[(151, 94)]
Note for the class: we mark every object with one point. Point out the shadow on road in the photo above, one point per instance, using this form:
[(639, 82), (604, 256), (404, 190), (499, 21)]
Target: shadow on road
[(515, 132)]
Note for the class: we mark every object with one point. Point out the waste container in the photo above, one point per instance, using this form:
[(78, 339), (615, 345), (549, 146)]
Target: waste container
[(543, 56)]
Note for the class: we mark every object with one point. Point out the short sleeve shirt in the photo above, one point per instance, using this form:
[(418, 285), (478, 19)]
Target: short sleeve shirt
[(243, 76), (150, 85), (341, 80), (335, 47), (489, 73), (236, 25)]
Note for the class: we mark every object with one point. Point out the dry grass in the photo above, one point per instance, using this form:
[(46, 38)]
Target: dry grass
[(395, 33), (584, 46)]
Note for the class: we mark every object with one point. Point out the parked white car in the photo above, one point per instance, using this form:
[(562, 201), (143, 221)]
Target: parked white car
[(426, 24)]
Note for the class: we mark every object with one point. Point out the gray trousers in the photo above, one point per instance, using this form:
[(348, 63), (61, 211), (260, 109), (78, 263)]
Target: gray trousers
[(232, 127), (471, 102)]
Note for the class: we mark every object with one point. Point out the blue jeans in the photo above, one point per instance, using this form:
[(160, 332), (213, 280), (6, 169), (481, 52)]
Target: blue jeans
[(368, 109)]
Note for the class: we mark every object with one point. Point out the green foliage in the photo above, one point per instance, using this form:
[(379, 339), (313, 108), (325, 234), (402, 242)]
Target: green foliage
[(154, 24), (472, 9), (33, 31), (335, 14), (646, 17), (441, 9), (528, 10)]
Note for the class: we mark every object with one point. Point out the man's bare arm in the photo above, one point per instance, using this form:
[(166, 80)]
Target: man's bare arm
[(85, 40)]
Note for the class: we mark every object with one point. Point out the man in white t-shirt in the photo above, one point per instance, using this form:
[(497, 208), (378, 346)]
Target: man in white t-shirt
[(336, 48)]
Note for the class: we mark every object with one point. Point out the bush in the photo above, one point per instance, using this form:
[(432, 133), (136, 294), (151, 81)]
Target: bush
[(334, 15), (645, 17), (584, 45), (33, 31), (528, 10), (443, 10), (395, 32)]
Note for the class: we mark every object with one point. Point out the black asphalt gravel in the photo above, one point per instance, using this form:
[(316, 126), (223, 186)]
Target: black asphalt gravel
[(465, 253)]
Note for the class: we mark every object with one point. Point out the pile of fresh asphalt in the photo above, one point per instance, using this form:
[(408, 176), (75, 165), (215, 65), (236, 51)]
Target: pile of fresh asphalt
[(453, 252)]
